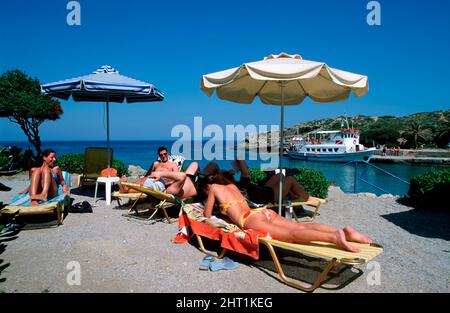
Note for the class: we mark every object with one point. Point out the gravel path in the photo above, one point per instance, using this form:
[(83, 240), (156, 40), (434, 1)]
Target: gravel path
[(117, 254)]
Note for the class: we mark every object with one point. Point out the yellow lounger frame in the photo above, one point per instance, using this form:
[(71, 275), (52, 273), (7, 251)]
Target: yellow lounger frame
[(166, 200), (49, 208), (321, 250), (304, 203)]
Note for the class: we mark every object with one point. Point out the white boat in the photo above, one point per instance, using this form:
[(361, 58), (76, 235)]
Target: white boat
[(331, 146)]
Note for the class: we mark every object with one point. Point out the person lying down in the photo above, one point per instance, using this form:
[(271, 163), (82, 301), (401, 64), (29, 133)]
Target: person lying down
[(217, 188)]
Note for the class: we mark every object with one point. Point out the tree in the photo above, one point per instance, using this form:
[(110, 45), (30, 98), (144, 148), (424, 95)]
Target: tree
[(442, 132), (22, 103), (417, 133), (382, 132)]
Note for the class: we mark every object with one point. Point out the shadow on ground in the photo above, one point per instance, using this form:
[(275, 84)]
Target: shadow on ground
[(424, 223), (3, 246), (298, 268)]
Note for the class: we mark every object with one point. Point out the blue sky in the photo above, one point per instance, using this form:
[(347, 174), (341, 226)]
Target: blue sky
[(171, 44)]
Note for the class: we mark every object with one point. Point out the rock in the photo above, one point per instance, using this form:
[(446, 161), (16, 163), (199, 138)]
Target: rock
[(387, 196), (367, 194), (136, 171), (335, 189)]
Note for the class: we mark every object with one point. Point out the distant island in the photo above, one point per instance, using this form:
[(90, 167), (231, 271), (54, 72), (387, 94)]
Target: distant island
[(421, 130)]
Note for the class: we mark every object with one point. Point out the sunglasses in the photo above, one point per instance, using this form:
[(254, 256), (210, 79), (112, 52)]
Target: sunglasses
[(163, 154)]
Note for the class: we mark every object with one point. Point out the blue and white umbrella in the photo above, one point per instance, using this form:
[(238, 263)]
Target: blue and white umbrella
[(104, 85)]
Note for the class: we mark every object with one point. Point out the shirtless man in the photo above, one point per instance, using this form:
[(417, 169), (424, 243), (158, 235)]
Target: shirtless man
[(164, 165), (164, 175)]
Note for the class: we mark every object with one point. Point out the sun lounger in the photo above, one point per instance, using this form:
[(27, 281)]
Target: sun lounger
[(163, 200), (312, 218), (95, 160), (135, 198), (20, 205), (247, 242)]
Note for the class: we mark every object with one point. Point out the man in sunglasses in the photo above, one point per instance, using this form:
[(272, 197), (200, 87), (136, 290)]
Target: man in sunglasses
[(164, 175), (163, 164)]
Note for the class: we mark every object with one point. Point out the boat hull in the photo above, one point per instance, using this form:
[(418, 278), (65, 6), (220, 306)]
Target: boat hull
[(335, 157)]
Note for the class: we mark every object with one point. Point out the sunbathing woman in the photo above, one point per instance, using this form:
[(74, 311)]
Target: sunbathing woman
[(233, 204), (267, 193), (45, 179)]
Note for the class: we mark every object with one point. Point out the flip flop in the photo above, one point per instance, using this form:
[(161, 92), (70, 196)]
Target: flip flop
[(204, 266), (226, 264)]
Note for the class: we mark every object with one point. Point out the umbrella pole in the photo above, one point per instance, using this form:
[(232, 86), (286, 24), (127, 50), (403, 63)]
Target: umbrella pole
[(107, 135), (280, 195)]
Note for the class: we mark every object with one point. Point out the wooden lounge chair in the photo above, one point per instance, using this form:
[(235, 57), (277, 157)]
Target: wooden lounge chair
[(20, 205), (163, 200), (232, 238), (95, 160)]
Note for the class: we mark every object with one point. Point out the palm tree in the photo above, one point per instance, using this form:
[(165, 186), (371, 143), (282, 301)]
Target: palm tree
[(417, 133), (442, 133)]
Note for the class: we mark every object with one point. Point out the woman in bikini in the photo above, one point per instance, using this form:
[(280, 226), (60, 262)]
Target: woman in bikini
[(45, 179), (232, 204)]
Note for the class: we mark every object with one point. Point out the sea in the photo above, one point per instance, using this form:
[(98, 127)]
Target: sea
[(143, 153)]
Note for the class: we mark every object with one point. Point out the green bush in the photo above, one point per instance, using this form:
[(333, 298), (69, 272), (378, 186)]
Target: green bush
[(314, 182), (74, 163), (120, 167), (430, 190), (256, 176), (4, 159)]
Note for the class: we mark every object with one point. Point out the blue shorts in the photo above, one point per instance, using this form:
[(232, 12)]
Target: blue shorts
[(155, 184)]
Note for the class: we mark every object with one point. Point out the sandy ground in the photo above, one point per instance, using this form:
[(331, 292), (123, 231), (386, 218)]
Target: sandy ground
[(118, 254)]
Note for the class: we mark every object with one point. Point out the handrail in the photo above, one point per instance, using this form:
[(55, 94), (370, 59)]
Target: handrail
[(356, 178)]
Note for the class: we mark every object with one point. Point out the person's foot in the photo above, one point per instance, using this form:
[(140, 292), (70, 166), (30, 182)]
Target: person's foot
[(119, 183), (342, 242), (353, 235), (4, 188), (314, 200)]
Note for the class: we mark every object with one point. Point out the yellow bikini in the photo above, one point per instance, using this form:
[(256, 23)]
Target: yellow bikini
[(266, 212)]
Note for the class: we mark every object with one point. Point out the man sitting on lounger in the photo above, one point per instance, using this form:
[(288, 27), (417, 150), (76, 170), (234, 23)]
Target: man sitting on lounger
[(165, 176)]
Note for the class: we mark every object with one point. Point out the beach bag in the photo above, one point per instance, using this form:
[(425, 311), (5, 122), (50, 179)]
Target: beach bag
[(81, 207)]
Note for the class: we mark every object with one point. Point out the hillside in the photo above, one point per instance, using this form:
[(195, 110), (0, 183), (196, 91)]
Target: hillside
[(427, 129)]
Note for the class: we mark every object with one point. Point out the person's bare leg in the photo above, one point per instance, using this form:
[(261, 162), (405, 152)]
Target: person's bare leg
[(123, 189), (35, 185), (298, 190), (242, 166), (274, 183), (126, 189), (300, 234), (210, 169), (350, 233), (189, 189), (48, 187), (179, 178)]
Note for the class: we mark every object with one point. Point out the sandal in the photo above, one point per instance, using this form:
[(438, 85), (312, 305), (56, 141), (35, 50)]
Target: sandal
[(207, 260)]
